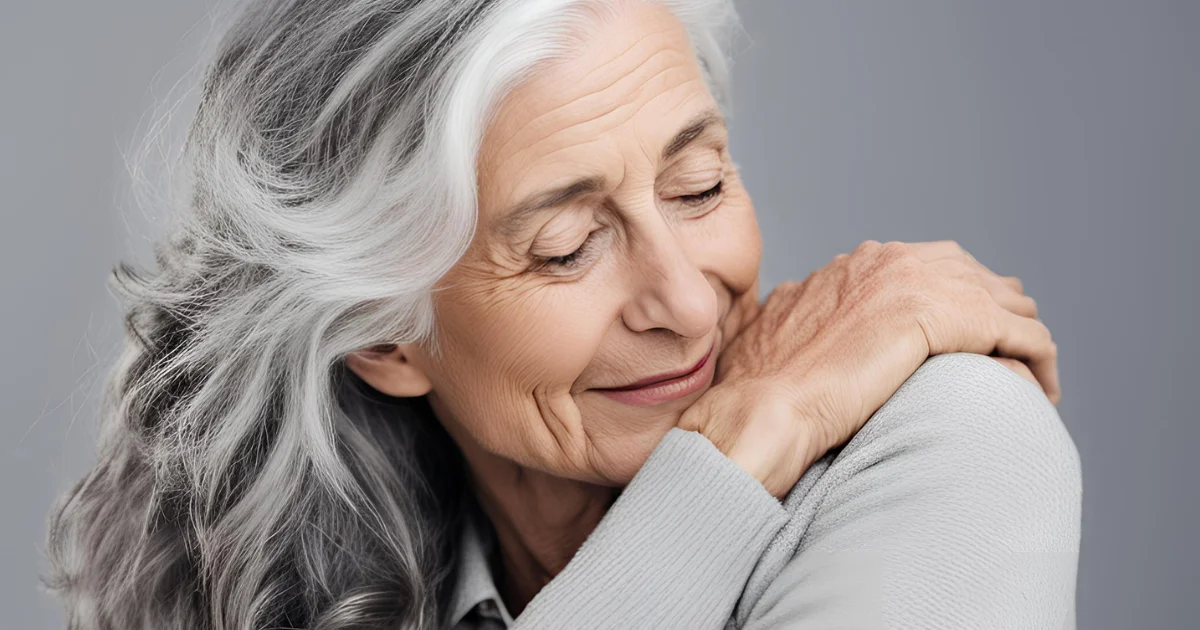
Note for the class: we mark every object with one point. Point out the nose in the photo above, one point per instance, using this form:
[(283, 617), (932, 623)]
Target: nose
[(670, 290)]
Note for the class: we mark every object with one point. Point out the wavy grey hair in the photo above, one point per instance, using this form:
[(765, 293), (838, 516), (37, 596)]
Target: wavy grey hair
[(245, 477)]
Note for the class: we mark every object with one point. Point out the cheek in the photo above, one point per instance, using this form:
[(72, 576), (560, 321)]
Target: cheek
[(728, 243), (512, 342), (506, 355)]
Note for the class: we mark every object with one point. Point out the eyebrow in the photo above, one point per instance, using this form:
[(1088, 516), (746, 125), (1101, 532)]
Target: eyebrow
[(514, 221), (691, 131)]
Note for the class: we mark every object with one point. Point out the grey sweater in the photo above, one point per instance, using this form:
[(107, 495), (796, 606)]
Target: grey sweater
[(957, 505)]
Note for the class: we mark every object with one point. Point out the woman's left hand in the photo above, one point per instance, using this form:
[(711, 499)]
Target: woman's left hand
[(809, 365), (1008, 291)]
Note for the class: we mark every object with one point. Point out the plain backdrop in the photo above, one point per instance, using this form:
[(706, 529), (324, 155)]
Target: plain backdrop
[(1058, 140)]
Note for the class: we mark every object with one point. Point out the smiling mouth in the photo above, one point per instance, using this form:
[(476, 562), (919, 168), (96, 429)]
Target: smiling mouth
[(662, 379)]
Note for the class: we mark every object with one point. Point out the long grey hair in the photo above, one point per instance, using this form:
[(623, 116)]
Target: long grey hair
[(246, 478)]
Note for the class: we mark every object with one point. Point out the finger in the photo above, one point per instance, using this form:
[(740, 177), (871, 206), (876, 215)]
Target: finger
[(1008, 291), (1002, 293), (943, 250), (1012, 301), (930, 251), (1029, 340), (1014, 282), (1019, 367)]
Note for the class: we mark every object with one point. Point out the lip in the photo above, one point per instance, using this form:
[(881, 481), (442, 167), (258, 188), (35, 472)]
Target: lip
[(661, 388)]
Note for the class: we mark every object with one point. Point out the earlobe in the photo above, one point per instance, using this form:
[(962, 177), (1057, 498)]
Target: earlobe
[(389, 370)]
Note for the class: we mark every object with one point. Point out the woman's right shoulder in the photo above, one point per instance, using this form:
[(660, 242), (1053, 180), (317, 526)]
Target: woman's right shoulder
[(971, 401), (966, 423), (961, 492)]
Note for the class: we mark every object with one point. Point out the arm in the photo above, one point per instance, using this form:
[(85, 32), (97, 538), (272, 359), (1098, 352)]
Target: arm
[(674, 550), (956, 506)]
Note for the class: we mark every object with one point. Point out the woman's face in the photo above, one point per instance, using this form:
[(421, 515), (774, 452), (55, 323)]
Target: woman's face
[(615, 243)]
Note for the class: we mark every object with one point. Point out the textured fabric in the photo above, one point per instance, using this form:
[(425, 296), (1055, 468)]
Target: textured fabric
[(957, 505)]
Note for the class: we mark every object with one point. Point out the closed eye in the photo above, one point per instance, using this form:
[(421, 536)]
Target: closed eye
[(700, 198), (575, 259)]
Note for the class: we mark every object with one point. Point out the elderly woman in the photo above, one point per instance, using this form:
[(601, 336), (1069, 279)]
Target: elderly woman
[(461, 330)]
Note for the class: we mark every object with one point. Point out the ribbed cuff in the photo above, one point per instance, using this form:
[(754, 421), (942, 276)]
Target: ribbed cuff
[(673, 551)]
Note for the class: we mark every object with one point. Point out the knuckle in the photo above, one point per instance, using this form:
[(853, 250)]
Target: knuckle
[(895, 252), (784, 293), (953, 246), (787, 286), (867, 245)]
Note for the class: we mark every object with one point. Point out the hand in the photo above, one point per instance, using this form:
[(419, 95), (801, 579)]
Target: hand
[(821, 356)]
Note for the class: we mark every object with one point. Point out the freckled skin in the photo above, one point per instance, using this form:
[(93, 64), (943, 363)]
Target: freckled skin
[(523, 343)]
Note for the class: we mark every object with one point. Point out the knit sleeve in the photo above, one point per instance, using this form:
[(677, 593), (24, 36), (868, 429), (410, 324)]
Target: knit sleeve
[(956, 506), (673, 551)]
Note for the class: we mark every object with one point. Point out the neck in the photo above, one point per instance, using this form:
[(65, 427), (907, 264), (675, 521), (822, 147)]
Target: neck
[(540, 520)]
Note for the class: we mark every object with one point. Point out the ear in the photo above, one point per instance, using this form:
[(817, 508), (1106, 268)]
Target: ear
[(389, 369)]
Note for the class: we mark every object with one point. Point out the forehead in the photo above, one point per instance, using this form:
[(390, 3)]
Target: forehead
[(633, 79)]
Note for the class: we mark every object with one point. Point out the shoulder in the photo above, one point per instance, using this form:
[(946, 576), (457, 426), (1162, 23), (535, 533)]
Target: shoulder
[(965, 427), (969, 410), (962, 435), (958, 500)]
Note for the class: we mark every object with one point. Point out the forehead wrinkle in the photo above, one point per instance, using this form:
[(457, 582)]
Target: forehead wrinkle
[(636, 106), (632, 80), (588, 95), (632, 74), (642, 140), (619, 55), (536, 164), (638, 93), (564, 61), (631, 109)]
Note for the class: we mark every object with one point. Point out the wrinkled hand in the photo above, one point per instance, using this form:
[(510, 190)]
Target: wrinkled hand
[(820, 356)]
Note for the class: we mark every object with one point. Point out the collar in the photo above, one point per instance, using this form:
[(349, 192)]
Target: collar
[(474, 584)]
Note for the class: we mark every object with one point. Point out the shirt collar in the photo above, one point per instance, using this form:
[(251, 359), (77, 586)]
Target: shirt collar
[(474, 582)]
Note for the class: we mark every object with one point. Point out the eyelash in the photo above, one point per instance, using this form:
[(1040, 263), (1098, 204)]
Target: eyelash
[(572, 260), (578, 257), (695, 200)]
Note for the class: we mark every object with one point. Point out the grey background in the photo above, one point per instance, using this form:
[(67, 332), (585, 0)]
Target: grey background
[(1059, 141)]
